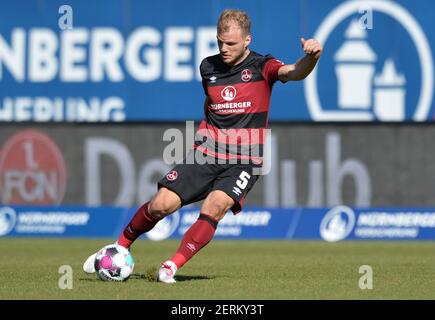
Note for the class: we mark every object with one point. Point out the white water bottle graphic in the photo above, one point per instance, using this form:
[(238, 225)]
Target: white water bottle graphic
[(389, 95), (355, 69)]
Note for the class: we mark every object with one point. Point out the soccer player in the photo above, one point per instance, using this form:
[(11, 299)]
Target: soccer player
[(238, 84)]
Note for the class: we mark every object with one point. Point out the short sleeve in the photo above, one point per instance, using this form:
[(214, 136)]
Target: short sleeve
[(270, 70), (201, 71), (204, 86)]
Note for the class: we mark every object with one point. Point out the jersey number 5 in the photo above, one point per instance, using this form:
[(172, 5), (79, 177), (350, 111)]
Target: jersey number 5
[(243, 180)]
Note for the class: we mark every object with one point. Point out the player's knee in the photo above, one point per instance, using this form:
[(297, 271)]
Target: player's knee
[(216, 210), (164, 203), (160, 208)]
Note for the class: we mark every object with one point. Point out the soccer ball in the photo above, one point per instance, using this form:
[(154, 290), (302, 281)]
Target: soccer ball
[(114, 263)]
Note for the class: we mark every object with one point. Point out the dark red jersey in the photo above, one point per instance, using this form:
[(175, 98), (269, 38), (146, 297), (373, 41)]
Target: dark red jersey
[(237, 110)]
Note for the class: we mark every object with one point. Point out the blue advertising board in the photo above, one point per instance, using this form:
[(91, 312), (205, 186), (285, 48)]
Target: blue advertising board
[(25, 221), (326, 224), (98, 61)]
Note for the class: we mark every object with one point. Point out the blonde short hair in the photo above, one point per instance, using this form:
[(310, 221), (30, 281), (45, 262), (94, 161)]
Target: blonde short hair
[(238, 16)]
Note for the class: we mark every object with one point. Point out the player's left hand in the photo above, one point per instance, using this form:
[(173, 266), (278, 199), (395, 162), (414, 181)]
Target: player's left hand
[(312, 47)]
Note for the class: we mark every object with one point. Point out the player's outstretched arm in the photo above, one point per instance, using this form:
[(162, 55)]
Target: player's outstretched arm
[(303, 67)]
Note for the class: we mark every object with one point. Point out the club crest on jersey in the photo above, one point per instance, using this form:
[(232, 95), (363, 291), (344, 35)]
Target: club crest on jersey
[(246, 75), (228, 93), (173, 175)]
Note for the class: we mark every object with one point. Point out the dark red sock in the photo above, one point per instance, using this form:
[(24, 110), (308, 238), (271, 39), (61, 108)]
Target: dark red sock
[(198, 235), (141, 222)]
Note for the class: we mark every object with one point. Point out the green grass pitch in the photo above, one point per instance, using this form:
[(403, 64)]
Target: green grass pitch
[(29, 269)]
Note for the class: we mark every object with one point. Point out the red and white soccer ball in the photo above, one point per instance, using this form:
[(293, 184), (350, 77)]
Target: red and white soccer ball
[(114, 263)]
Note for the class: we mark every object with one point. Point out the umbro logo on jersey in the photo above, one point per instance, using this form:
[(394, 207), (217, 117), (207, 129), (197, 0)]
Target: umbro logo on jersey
[(228, 93), (246, 75), (213, 79)]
